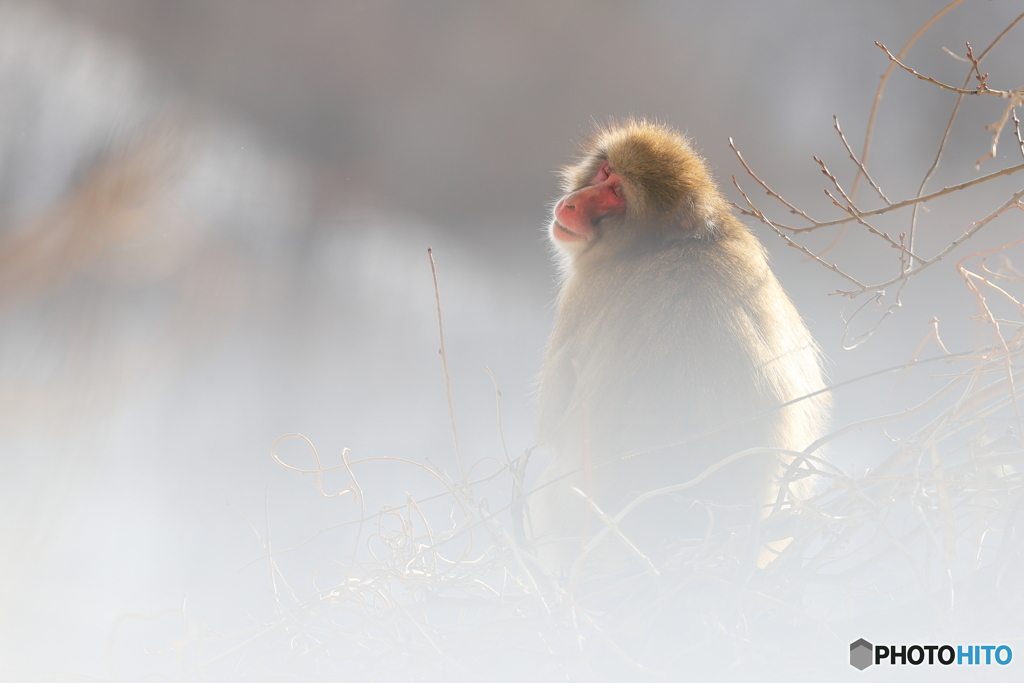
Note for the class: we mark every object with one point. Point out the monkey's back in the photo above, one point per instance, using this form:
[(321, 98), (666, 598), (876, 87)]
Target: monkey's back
[(659, 361)]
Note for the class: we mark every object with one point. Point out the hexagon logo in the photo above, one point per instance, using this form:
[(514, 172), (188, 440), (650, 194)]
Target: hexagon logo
[(861, 652)]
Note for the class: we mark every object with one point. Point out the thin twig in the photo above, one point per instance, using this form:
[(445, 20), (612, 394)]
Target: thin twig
[(873, 116), (858, 215), (863, 169), (767, 189), (1010, 170), (1016, 130), (1012, 202), (877, 299), (444, 365), (949, 123), (796, 245), (982, 88)]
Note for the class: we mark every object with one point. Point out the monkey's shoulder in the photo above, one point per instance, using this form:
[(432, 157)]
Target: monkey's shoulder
[(724, 264)]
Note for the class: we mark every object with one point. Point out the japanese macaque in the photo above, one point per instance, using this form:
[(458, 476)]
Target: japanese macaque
[(673, 343)]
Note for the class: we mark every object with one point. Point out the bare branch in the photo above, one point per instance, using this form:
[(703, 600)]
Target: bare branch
[(761, 217), (997, 127), (1012, 202), (860, 166), (1010, 170), (873, 116), (767, 189), (1016, 130), (849, 208), (982, 88)]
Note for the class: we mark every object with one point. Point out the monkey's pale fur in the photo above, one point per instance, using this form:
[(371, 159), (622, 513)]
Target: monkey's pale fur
[(669, 323)]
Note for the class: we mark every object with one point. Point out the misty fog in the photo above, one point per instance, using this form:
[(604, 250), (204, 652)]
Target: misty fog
[(282, 169)]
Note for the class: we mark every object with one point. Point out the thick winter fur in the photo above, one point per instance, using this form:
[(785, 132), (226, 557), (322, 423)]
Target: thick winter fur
[(670, 323)]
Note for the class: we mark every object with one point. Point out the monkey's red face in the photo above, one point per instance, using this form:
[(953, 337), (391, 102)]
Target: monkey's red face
[(578, 214)]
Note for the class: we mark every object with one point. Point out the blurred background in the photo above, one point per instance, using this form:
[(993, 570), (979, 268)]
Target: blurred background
[(213, 232)]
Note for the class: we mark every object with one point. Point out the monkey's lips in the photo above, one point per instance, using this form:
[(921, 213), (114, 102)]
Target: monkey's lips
[(564, 234)]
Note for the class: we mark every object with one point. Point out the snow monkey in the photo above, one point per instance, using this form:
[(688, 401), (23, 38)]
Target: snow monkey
[(674, 347)]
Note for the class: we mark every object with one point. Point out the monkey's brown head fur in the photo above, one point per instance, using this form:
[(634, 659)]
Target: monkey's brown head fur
[(636, 180)]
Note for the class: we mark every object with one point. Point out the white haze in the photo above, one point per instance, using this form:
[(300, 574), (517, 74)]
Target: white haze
[(139, 398)]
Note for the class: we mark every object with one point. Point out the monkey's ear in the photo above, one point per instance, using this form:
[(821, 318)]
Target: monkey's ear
[(700, 221)]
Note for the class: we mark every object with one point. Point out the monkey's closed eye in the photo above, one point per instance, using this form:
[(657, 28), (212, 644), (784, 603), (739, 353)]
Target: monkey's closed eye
[(603, 173)]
